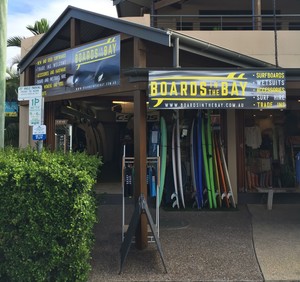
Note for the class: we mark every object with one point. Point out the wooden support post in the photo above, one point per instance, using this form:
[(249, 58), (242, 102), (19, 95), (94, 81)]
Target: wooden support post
[(140, 162), (50, 122), (140, 143)]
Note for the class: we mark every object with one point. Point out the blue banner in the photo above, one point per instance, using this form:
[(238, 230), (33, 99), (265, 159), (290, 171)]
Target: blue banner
[(90, 66)]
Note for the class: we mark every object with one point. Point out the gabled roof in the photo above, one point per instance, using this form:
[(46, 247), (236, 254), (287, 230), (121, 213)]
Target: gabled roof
[(94, 26), (58, 36)]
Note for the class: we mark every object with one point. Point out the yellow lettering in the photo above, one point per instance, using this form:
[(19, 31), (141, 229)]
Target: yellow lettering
[(203, 89), (153, 88), (183, 88), (234, 89), (224, 88), (163, 89), (265, 104), (193, 89), (243, 86), (173, 90)]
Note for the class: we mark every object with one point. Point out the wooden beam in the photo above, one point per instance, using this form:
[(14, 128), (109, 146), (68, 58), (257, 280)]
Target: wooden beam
[(140, 161), (140, 141), (74, 33), (164, 3), (50, 122)]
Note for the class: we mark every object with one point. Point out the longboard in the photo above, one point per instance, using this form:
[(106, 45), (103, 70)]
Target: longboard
[(179, 169), (205, 163), (223, 185), (174, 196), (193, 161), (163, 157), (230, 193), (217, 176), (199, 160), (210, 161)]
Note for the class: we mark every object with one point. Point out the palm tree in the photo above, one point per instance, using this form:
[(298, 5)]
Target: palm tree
[(15, 41), (39, 27)]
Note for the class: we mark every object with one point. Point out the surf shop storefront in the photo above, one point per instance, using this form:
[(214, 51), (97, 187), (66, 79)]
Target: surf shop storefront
[(201, 103), (80, 99)]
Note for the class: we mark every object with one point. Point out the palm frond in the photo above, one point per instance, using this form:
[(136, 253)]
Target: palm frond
[(14, 41), (39, 27)]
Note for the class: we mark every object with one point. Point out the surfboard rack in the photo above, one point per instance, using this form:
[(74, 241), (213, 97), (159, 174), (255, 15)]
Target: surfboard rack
[(129, 161), (141, 208)]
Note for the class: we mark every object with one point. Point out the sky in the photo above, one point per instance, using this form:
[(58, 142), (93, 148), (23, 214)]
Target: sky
[(25, 12)]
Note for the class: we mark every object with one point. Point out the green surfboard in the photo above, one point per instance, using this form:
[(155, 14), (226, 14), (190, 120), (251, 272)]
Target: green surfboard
[(206, 167), (163, 156), (210, 161)]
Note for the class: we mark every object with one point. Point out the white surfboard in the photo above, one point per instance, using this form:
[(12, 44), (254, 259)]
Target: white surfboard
[(175, 194), (179, 169)]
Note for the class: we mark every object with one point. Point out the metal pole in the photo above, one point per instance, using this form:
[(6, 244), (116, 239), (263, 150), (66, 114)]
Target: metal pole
[(3, 39), (275, 33), (40, 142)]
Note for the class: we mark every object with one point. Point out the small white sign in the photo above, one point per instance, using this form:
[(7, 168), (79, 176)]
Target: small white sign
[(35, 111), (29, 92), (39, 132)]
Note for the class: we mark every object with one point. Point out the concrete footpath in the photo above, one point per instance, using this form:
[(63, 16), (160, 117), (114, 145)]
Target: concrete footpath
[(249, 244)]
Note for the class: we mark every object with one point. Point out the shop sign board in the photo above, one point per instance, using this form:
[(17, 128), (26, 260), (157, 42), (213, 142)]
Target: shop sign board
[(90, 66), (235, 89)]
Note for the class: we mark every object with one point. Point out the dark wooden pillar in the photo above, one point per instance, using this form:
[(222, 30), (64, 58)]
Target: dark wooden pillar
[(140, 143), (74, 33), (49, 120), (140, 162)]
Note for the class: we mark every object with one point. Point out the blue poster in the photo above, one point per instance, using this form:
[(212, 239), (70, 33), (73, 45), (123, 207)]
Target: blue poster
[(90, 66)]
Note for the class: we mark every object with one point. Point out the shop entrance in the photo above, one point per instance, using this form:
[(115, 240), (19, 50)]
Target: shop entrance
[(272, 144)]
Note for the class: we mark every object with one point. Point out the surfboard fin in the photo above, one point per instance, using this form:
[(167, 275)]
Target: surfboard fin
[(176, 202)]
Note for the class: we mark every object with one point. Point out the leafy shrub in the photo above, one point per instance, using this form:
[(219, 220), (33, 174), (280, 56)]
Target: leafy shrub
[(47, 213)]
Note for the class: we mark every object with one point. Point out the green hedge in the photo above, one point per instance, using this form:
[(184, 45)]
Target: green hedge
[(47, 214)]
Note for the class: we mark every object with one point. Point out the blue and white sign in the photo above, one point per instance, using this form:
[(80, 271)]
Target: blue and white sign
[(39, 132)]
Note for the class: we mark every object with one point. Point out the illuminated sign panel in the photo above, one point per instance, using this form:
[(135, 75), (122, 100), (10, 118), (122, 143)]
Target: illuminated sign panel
[(91, 66), (260, 89)]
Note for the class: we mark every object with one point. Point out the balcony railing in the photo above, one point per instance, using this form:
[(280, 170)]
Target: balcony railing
[(227, 22)]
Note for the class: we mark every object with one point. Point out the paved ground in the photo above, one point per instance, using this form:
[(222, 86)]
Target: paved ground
[(249, 244), (276, 236)]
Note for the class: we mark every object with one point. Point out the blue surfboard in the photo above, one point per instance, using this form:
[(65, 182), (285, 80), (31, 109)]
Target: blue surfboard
[(199, 161)]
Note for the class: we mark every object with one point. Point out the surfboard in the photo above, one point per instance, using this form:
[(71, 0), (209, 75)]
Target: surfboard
[(179, 169), (174, 196), (230, 195), (163, 157), (205, 162), (192, 161), (223, 185), (217, 177), (210, 160), (199, 160), (153, 140), (105, 149)]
